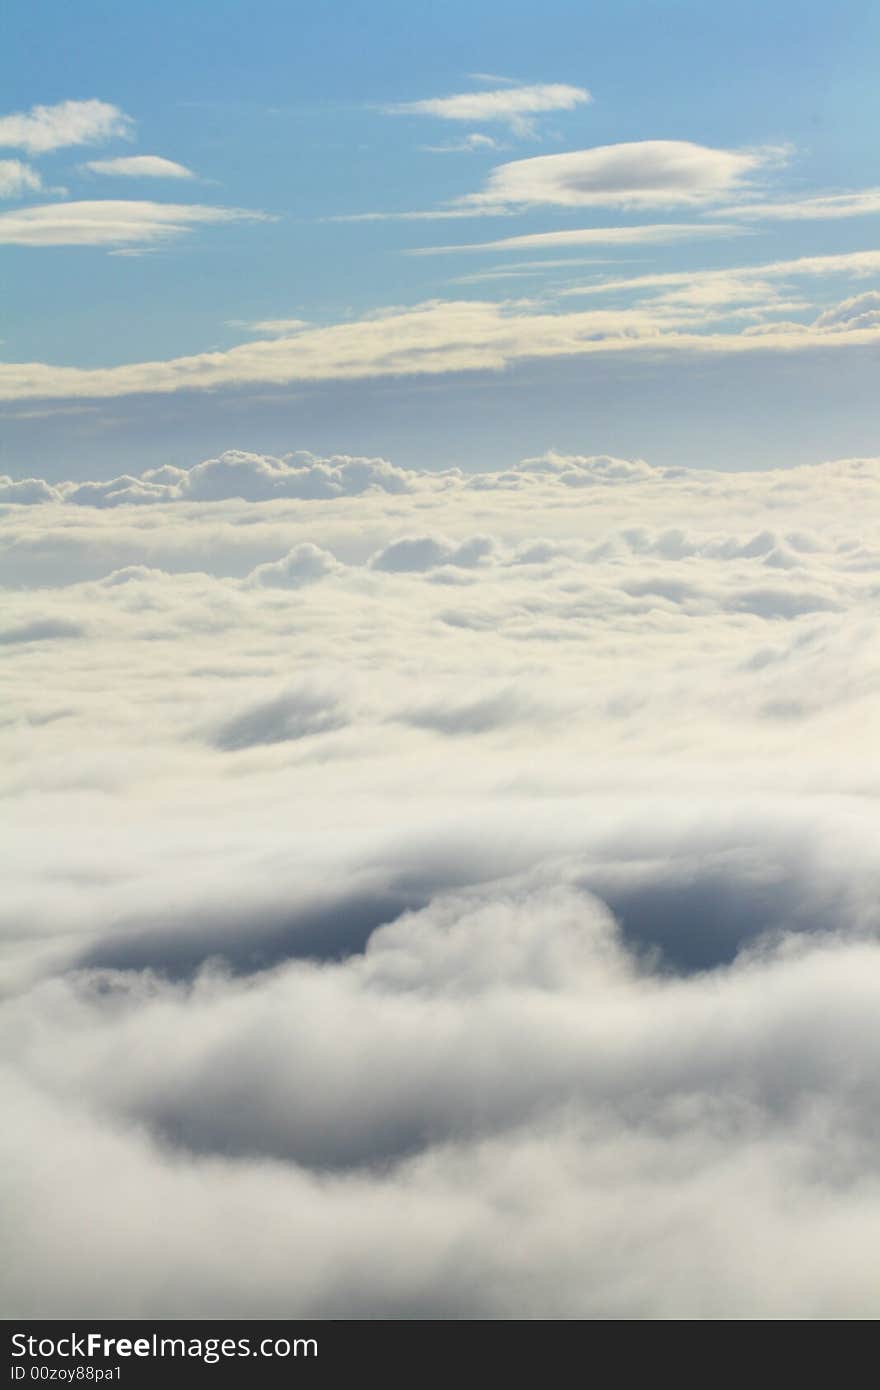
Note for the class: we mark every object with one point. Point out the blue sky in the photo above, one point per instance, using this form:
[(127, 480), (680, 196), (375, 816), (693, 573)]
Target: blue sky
[(688, 141)]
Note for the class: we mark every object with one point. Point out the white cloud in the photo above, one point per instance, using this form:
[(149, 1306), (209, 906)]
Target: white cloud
[(642, 174), (496, 931), (304, 564), (833, 205), (861, 311), (511, 105), (446, 214), (25, 491), (639, 176), (648, 234), (470, 144), (257, 477), (439, 337), (516, 270), (273, 328), (415, 554), (251, 477), (140, 166), (47, 128), (17, 178), (493, 79), (695, 284), (110, 222)]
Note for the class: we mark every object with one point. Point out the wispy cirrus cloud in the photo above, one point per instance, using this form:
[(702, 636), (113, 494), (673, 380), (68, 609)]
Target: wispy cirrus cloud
[(272, 328), (140, 166), (470, 144), (110, 222), (509, 105), (445, 214), (855, 263), (656, 233), (493, 79), (824, 207), (46, 128)]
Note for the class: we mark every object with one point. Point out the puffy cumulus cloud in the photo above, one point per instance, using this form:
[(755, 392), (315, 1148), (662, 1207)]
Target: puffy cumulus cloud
[(234, 474), (304, 564), (110, 222), (47, 128), (258, 478), (461, 893), (580, 470), (493, 1112), (643, 174), (416, 553), (26, 491), (17, 178)]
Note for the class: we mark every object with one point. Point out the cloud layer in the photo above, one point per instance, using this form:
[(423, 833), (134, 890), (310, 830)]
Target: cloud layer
[(440, 336), (442, 895)]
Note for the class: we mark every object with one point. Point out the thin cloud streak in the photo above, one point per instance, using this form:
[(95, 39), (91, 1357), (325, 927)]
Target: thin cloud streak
[(648, 234), (510, 104), (140, 166), (111, 222)]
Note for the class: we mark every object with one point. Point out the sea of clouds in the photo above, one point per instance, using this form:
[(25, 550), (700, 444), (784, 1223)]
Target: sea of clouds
[(441, 894)]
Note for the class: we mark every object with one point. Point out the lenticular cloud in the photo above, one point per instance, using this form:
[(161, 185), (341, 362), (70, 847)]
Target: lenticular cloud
[(442, 894)]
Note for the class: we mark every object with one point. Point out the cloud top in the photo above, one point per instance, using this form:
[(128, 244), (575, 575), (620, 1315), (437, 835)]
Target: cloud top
[(477, 869)]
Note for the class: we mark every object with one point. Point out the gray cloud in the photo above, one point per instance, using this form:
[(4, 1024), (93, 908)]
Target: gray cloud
[(413, 554), (485, 713), (294, 715), (40, 630), (641, 174)]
